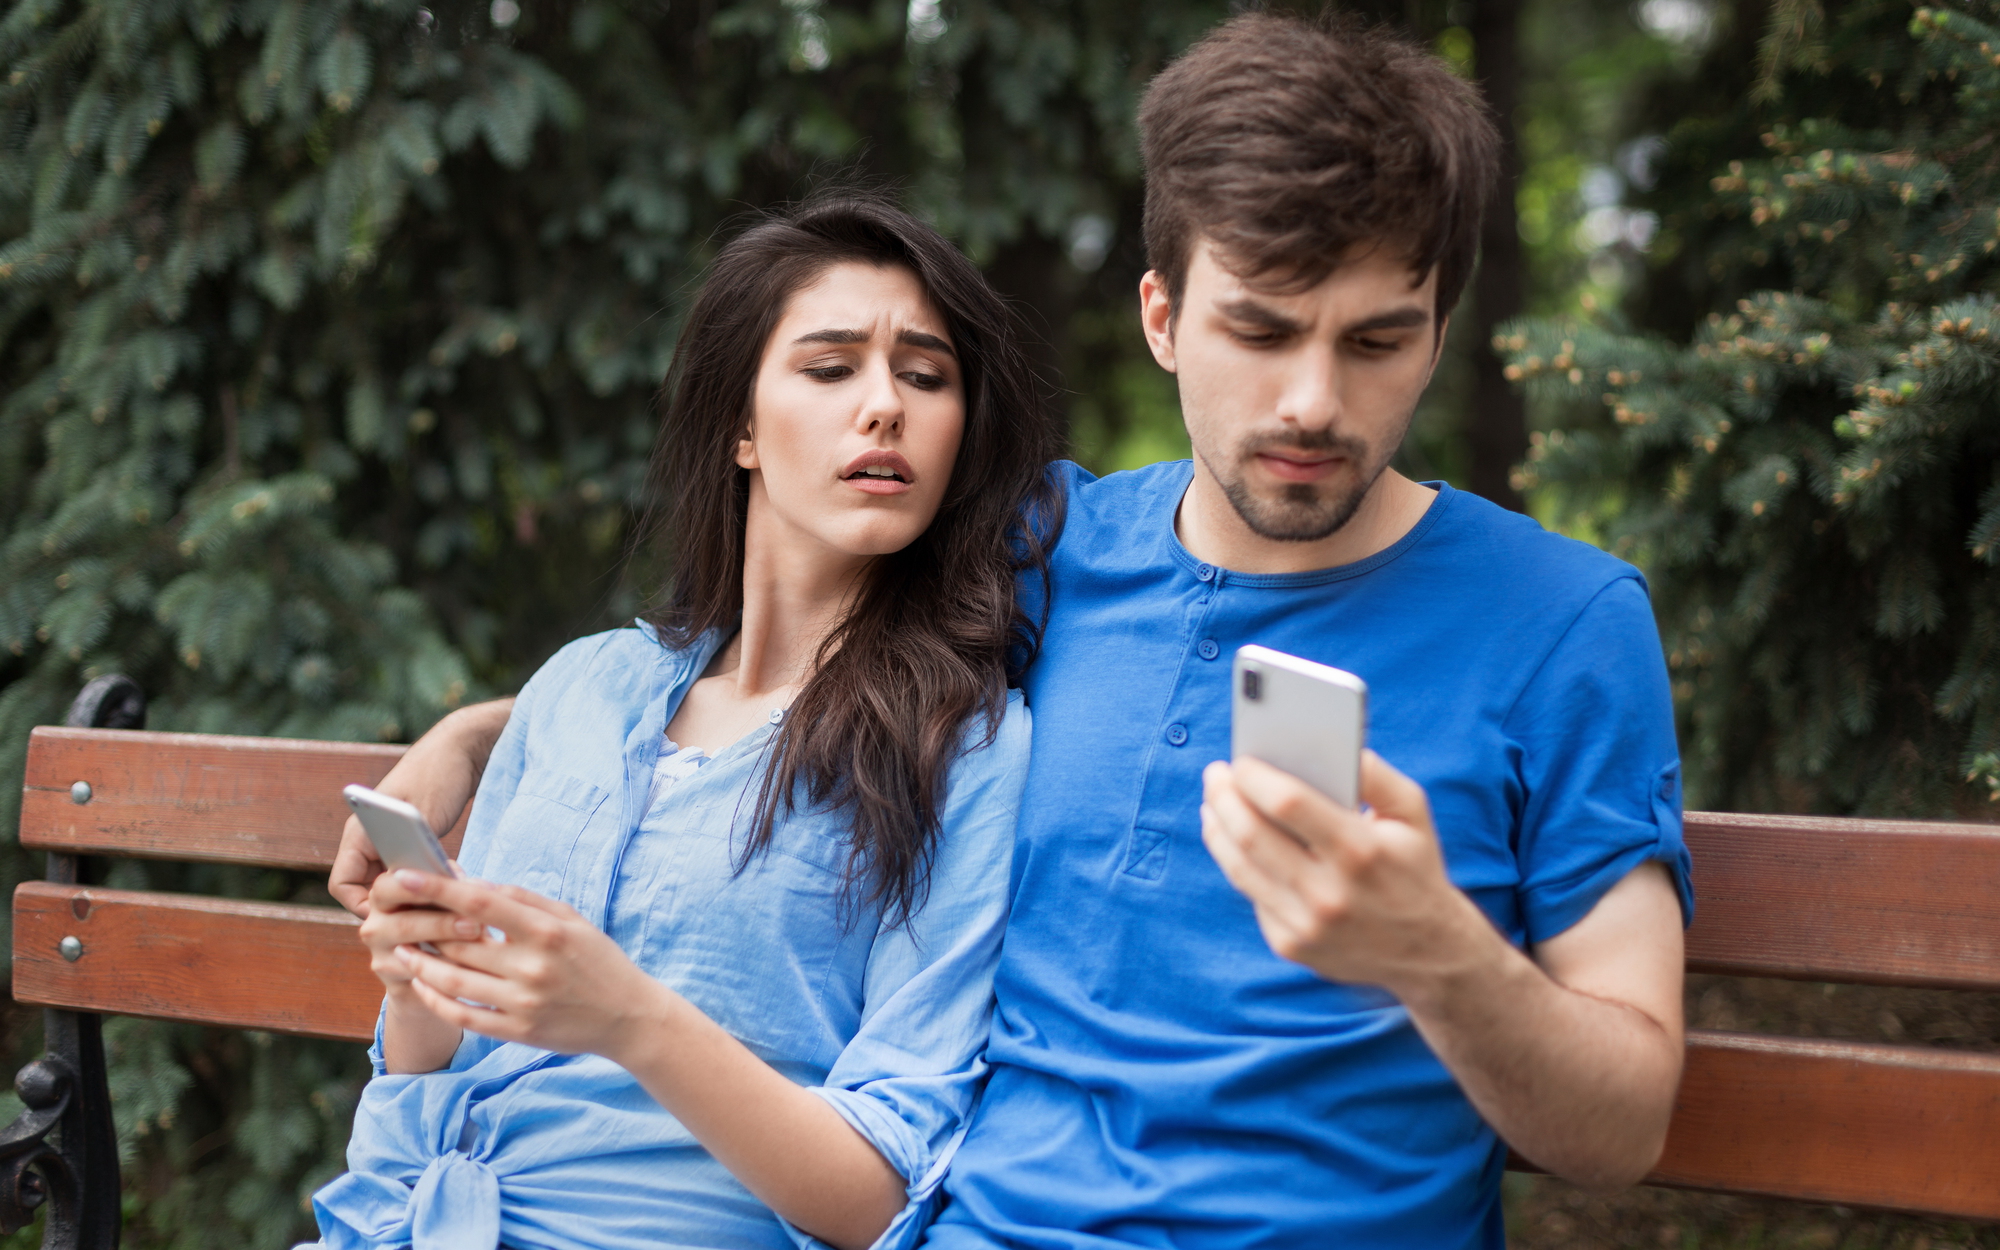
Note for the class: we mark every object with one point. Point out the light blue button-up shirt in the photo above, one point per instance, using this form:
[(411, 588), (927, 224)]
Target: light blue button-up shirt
[(518, 1146)]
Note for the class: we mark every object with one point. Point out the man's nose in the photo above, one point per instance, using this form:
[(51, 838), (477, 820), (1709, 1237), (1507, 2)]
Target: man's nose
[(1312, 392)]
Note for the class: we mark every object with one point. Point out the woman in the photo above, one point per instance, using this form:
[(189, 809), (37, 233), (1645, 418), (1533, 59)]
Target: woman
[(735, 987)]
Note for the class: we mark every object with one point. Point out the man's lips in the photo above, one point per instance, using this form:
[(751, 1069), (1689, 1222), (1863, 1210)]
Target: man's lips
[(1300, 469), (868, 472)]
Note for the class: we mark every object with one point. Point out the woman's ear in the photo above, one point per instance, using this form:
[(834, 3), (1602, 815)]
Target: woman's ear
[(746, 450)]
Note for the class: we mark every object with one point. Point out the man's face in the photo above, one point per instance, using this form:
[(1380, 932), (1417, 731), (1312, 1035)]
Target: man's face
[(1295, 403)]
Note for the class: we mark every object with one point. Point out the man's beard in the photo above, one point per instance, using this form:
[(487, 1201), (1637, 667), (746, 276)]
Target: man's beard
[(1302, 512)]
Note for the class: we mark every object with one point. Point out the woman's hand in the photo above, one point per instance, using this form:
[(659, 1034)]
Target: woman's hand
[(414, 1039), (438, 775), (561, 984), (557, 982)]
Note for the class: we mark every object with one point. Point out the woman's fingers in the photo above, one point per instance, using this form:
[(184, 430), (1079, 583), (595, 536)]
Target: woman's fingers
[(472, 1019), (455, 980), (411, 926), (514, 911)]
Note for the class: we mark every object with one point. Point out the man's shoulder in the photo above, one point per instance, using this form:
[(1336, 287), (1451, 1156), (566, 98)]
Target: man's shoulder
[(1115, 497), (1506, 553), (1103, 515)]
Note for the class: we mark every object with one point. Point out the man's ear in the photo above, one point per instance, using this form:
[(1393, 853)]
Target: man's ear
[(1156, 318), (1437, 348)]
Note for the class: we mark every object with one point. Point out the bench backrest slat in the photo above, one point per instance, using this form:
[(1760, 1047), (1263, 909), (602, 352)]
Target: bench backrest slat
[(1903, 1127), (1872, 902), (271, 802), (271, 966)]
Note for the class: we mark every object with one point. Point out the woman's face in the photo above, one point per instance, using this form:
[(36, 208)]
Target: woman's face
[(856, 415)]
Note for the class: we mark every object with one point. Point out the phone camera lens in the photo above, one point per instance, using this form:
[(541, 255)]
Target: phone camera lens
[(1253, 684)]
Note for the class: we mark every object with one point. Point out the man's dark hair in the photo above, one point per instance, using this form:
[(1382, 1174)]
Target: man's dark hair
[(1289, 143), (933, 639)]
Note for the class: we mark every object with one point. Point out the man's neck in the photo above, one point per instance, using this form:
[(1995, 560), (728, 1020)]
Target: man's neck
[(1209, 527)]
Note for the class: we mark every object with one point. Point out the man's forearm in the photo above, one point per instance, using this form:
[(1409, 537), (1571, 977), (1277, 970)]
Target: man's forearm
[(1579, 1085)]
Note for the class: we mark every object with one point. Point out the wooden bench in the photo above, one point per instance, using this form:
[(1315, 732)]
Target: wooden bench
[(1856, 901)]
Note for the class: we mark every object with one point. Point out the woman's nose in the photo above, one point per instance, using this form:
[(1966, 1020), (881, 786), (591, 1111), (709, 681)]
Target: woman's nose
[(882, 404)]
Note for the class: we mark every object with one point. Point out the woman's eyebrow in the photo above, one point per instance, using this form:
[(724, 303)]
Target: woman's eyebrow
[(913, 338), (918, 338), (833, 336)]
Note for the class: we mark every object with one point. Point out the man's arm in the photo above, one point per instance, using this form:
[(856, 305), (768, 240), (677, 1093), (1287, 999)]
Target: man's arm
[(438, 774), (1572, 1056)]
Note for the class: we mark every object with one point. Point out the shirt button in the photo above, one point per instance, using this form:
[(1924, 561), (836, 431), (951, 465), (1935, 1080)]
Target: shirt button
[(1208, 650), (777, 716), (1177, 734), (1666, 787), (1205, 572)]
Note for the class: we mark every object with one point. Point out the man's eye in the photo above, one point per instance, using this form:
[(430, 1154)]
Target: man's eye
[(1259, 338), (1378, 346)]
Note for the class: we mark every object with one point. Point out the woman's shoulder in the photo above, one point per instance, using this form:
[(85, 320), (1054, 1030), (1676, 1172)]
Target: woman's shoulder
[(611, 660)]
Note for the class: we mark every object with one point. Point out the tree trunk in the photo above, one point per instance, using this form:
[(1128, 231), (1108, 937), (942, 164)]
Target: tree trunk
[(1496, 427)]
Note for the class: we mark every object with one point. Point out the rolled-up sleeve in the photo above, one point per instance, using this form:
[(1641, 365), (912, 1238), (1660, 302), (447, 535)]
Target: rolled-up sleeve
[(911, 1077)]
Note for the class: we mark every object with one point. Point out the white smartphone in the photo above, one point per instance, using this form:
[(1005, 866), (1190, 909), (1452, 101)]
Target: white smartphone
[(401, 835), (1310, 720)]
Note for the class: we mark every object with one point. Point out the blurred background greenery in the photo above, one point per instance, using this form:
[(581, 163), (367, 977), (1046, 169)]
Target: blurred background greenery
[(329, 331)]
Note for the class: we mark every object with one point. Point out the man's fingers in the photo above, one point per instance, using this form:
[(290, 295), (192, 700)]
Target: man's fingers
[(1392, 794), (1275, 851)]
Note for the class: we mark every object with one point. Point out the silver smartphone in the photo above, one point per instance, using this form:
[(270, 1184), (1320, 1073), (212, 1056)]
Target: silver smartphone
[(1308, 719), (402, 838)]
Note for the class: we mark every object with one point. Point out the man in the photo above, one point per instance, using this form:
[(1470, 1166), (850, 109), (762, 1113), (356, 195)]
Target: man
[(1231, 1013)]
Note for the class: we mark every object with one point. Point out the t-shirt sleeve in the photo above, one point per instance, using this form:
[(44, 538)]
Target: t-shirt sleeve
[(1600, 765), (911, 1076)]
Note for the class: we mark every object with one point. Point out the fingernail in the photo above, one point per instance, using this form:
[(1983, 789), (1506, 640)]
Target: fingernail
[(411, 880), (466, 928), (406, 955)]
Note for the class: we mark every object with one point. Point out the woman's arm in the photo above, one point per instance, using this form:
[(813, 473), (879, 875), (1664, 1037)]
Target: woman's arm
[(438, 774), (560, 983)]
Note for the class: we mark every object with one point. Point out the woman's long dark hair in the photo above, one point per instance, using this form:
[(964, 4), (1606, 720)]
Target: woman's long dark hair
[(938, 632)]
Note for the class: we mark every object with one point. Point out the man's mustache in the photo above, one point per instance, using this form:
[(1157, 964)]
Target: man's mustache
[(1305, 440)]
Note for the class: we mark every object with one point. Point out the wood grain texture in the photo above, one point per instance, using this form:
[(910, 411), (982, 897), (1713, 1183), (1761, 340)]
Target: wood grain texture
[(272, 802), (1873, 902), (1898, 1127), (244, 965)]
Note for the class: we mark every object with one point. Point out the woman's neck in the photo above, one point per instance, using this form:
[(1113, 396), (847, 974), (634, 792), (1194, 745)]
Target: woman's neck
[(795, 592)]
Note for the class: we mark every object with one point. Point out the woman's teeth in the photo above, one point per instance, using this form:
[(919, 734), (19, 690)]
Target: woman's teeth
[(879, 471)]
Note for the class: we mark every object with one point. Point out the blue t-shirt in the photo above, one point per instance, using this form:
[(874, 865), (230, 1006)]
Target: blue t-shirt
[(1160, 1078)]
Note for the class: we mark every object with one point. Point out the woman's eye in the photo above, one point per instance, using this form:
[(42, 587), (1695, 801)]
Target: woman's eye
[(924, 381), (829, 373)]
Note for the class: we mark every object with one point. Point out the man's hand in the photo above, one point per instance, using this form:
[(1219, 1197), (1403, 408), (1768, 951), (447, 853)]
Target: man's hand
[(1572, 1056), (438, 775), (1355, 896)]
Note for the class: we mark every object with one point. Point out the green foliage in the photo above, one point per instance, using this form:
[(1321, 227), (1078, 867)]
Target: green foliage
[(330, 330), (331, 333), (1811, 482)]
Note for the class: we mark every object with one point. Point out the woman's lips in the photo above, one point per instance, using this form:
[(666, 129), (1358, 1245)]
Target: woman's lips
[(880, 459)]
